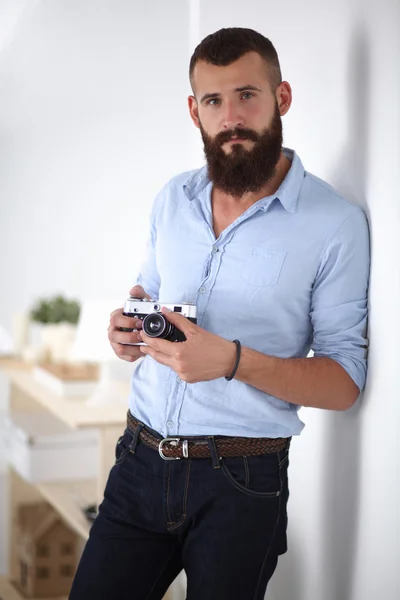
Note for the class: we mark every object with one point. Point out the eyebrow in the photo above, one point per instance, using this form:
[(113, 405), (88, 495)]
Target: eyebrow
[(244, 88)]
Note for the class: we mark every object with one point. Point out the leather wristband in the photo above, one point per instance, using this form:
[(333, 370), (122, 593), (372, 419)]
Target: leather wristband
[(238, 351)]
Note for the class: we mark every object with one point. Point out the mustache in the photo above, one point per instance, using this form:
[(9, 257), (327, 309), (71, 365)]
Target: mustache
[(245, 134)]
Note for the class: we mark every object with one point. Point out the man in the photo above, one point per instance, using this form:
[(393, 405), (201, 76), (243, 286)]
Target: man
[(276, 262)]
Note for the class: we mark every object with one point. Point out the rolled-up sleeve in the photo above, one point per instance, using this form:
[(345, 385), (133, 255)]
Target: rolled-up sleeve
[(339, 304)]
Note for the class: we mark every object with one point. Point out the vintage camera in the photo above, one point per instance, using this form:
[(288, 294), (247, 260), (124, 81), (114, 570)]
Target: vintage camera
[(155, 325)]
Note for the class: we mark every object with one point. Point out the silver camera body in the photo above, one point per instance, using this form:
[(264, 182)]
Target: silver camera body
[(155, 324)]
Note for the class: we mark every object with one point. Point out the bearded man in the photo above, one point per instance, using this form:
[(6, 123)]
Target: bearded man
[(277, 264)]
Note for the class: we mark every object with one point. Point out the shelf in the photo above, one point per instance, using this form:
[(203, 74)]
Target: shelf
[(72, 411), (8, 362), (9, 592), (67, 498)]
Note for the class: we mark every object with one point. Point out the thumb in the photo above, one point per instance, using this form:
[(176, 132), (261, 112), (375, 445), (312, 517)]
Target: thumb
[(138, 292), (181, 322)]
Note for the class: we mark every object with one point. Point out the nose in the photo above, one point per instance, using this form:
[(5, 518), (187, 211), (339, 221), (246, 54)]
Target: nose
[(232, 117)]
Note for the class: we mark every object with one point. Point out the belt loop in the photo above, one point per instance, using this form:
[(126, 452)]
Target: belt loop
[(133, 444), (213, 451)]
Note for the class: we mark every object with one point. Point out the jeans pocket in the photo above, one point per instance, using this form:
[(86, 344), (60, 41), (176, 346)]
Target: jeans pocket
[(122, 447), (283, 458), (257, 476)]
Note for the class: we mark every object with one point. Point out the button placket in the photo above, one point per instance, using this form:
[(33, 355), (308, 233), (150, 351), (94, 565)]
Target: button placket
[(174, 404)]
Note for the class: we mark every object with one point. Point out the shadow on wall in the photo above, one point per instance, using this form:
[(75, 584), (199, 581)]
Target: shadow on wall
[(288, 582), (341, 495), (340, 485)]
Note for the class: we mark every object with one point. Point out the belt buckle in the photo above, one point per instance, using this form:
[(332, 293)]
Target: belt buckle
[(173, 442)]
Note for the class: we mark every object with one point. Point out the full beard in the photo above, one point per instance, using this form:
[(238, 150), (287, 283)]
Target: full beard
[(243, 171)]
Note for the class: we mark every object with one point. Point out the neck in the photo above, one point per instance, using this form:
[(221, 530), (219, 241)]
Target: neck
[(282, 168)]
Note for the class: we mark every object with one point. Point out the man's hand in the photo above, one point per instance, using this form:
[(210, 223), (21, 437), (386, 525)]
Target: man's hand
[(202, 357), (119, 338)]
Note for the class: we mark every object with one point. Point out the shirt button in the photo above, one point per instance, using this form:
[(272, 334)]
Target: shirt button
[(170, 423), (178, 379), (202, 290), (215, 249)]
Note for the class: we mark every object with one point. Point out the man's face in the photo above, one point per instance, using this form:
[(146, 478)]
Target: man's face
[(240, 123)]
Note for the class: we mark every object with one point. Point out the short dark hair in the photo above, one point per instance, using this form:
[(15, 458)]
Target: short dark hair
[(227, 45)]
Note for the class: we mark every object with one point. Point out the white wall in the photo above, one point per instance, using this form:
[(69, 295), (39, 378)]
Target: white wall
[(342, 61), (93, 121)]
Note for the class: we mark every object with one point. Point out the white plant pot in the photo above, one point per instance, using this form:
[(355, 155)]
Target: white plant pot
[(57, 340), (35, 333)]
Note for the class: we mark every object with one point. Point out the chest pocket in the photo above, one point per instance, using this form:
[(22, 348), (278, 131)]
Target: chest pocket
[(263, 266)]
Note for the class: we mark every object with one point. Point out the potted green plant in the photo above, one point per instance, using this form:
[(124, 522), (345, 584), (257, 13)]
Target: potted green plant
[(57, 317)]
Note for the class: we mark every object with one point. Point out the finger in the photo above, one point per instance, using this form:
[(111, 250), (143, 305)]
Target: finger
[(129, 353), (117, 311), (181, 322), (128, 358), (116, 336), (160, 357), (119, 320), (159, 345), (138, 292)]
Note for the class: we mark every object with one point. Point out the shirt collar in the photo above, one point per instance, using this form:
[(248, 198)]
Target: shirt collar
[(287, 193)]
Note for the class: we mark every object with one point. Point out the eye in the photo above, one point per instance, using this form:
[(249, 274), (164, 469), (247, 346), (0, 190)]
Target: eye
[(247, 95), (213, 101)]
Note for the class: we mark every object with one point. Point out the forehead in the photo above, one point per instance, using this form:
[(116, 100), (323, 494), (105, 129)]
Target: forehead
[(249, 69)]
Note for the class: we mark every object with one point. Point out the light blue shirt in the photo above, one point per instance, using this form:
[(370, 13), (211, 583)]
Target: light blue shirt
[(289, 275)]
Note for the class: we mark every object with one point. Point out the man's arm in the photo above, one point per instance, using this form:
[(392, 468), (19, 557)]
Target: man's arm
[(333, 378), (319, 382)]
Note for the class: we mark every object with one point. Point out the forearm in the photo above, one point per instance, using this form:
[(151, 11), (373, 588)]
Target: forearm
[(318, 382)]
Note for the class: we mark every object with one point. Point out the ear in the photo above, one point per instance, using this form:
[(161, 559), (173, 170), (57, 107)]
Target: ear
[(284, 97), (194, 111)]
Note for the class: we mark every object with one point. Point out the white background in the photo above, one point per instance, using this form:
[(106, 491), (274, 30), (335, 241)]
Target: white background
[(93, 121)]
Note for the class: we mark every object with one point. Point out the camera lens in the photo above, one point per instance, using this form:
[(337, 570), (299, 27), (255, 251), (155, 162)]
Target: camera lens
[(156, 326)]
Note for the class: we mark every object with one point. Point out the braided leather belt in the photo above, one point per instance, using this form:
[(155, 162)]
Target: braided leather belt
[(174, 448)]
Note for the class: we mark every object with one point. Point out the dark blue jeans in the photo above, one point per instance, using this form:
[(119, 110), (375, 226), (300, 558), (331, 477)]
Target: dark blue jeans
[(224, 525)]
